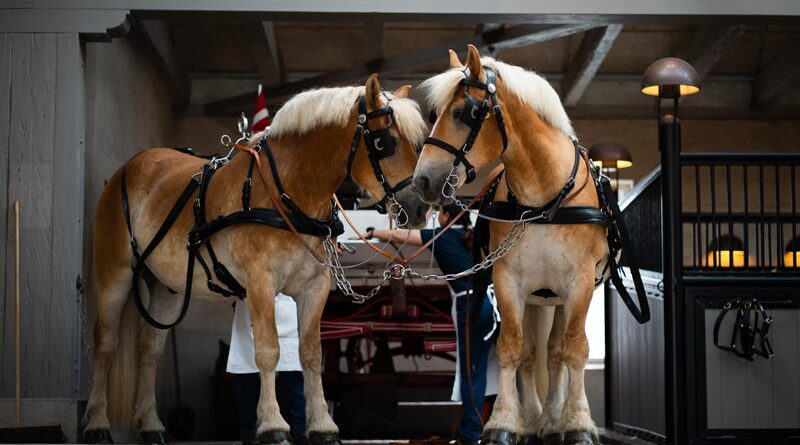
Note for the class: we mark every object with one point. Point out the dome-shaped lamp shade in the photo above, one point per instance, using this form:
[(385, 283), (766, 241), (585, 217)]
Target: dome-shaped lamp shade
[(792, 256), (720, 252), (610, 154), (670, 77)]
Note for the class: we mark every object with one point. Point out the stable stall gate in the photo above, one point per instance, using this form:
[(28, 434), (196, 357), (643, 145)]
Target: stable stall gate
[(739, 240)]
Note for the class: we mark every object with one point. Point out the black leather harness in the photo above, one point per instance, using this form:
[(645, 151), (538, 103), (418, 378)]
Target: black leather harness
[(744, 333), (380, 144), (607, 214)]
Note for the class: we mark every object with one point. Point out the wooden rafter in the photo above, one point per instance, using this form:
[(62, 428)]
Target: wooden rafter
[(593, 50), (709, 45), (156, 35), (373, 43), (266, 53), (487, 41), (780, 75)]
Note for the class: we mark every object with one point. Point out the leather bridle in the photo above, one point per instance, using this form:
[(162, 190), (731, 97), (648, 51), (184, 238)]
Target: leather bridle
[(380, 144), (473, 114)]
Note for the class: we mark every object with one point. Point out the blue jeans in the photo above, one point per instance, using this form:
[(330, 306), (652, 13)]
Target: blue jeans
[(472, 398), (291, 400)]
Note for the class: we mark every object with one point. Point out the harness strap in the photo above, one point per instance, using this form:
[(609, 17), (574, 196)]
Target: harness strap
[(139, 264), (460, 157), (742, 329)]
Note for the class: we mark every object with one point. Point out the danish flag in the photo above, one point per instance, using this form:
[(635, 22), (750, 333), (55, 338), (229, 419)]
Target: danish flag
[(261, 118)]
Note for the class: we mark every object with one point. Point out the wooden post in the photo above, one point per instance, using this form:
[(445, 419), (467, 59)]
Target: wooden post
[(18, 403)]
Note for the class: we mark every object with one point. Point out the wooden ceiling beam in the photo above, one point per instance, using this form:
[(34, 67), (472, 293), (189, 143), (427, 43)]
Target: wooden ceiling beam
[(156, 35), (373, 43), (709, 45), (780, 75), (487, 41), (595, 47), (266, 53)]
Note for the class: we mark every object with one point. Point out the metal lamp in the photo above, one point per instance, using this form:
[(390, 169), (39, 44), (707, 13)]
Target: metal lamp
[(791, 257), (610, 154), (726, 251), (672, 78)]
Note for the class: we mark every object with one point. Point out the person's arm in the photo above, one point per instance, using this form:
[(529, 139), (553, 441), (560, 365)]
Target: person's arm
[(411, 237)]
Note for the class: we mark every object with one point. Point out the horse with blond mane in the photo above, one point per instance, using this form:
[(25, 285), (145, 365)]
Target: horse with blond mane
[(555, 232), (311, 149)]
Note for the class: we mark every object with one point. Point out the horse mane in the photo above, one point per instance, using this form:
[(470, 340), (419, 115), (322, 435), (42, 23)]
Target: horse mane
[(531, 88), (312, 109)]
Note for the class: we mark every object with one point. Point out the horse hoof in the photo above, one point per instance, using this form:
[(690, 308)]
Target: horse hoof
[(97, 436), (153, 437), (531, 439), (579, 438), (552, 439), (499, 437), (275, 437), (320, 438)]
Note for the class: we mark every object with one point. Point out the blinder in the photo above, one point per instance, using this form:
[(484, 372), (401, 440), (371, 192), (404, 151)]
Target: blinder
[(472, 115), (380, 145)]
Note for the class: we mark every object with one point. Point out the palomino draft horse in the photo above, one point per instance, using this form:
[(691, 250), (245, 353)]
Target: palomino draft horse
[(311, 148), (559, 237)]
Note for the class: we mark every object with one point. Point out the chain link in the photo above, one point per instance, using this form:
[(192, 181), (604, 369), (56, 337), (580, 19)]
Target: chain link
[(342, 283)]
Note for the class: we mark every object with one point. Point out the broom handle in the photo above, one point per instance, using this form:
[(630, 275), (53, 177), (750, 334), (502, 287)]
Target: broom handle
[(17, 376)]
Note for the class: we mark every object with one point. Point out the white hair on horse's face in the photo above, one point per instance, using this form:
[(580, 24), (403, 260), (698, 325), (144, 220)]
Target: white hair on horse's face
[(531, 88), (317, 108)]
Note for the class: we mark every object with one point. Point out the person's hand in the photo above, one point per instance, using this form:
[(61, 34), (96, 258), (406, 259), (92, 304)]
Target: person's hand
[(368, 234)]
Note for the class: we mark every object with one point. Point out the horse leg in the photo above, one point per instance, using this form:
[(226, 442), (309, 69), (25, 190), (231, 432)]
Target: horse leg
[(113, 287), (576, 422), (321, 428), (503, 427), (272, 429), (164, 305), (535, 327), (550, 422)]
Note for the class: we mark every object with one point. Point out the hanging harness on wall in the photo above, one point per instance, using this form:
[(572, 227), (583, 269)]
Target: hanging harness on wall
[(607, 214), (744, 335), (380, 144)]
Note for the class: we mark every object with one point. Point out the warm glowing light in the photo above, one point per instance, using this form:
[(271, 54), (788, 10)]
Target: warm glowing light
[(791, 259), (721, 258), (619, 164), (685, 90)]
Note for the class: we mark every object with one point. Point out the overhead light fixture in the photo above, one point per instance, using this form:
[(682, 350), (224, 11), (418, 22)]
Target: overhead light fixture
[(726, 251), (610, 154), (670, 78)]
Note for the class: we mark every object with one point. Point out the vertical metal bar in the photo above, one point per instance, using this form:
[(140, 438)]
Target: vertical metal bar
[(778, 222), (762, 250), (794, 247), (746, 213), (714, 227), (698, 246), (730, 215)]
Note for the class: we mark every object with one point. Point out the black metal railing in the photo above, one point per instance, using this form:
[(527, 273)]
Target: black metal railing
[(740, 213), (641, 208)]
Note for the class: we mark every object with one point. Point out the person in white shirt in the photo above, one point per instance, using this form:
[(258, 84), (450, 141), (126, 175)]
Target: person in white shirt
[(289, 379)]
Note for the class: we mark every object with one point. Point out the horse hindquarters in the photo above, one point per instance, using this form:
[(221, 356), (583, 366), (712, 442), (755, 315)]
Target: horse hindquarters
[(112, 278)]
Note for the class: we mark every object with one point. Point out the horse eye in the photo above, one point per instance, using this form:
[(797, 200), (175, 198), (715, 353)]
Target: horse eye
[(457, 113)]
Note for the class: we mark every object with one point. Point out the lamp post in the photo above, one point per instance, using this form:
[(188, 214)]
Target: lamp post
[(672, 78), (611, 156)]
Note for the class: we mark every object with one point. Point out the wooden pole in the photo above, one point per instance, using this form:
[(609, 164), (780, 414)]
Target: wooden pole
[(16, 312)]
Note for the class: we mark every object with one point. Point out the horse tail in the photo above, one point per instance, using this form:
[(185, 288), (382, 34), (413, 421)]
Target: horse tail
[(123, 376), (544, 322)]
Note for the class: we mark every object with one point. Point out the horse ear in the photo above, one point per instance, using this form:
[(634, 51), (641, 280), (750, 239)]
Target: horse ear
[(454, 62), (373, 92), (402, 92), (474, 62)]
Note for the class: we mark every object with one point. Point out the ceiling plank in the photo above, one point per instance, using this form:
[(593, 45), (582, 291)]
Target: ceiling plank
[(595, 47), (687, 112), (373, 43), (709, 45), (777, 77), (266, 53), (502, 38), (156, 35)]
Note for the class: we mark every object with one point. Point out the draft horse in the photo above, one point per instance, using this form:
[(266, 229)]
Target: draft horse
[(314, 142), (489, 110)]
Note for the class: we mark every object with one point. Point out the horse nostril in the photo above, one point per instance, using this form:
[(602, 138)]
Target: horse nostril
[(422, 183)]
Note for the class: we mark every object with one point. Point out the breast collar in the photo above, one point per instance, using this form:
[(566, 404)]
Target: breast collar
[(474, 113), (380, 144)]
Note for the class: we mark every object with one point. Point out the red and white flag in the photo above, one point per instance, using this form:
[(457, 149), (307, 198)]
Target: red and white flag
[(261, 118)]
